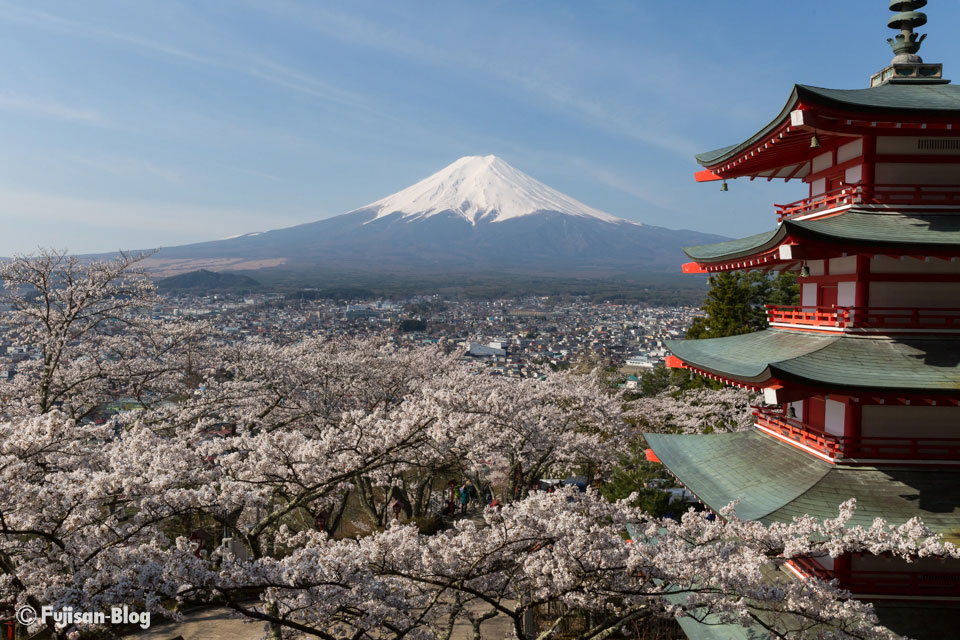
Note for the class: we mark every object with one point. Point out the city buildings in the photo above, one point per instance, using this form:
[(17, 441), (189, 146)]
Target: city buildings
[(515, 338)]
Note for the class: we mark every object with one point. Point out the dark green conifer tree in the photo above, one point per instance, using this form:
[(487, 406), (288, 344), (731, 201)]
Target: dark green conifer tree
[(736, 302)]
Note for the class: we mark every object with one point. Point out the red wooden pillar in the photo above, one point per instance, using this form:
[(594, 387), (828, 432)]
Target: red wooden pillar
[(842, 569), (852, 416), (867, 171), (861, 296), (851, 419)]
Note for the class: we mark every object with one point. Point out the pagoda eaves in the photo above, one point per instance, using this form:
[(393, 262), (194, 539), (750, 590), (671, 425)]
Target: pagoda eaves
[(836, 117)]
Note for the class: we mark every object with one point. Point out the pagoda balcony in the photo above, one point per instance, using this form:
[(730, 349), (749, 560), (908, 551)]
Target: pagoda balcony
[(888, 194), (888, 583), (857, 449), (866, 318)]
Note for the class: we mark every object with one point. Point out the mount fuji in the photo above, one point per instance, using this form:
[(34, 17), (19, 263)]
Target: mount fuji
[(477, 214)]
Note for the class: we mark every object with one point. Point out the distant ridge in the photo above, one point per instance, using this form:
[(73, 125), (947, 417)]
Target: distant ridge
[(205, 280)]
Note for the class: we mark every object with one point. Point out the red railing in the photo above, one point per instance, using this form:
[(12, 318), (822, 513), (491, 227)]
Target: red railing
[(847, 194), (906, 583), (809, 316), (880, 318), (905, 317), (871, 194), (901, 448), (797, 431), (858, 448)]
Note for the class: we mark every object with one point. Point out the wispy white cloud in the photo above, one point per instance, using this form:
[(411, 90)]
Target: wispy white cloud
[(128, 166), (545, 82), (647, 192), (200, 221), (235, 59), (48, 108)]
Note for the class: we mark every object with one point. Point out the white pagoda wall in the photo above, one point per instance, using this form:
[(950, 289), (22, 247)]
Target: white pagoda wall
[(833, 417), (914, 172), (825, 161), (798, 408)]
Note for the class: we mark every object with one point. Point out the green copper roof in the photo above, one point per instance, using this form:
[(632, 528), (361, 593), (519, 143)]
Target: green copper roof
[(906, 98), (932, 230), (775, 482), (732, 249), (717, 631), (712, 629), (899, 98), (856, 362), (748, 357), (729, 467), (940, 230)]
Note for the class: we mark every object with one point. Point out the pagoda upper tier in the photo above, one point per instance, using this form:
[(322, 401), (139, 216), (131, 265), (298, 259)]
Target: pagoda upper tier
[(816, 120), (883, 171)]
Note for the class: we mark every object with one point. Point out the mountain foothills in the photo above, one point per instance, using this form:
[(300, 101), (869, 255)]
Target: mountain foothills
[(478, 214), (204, 279)]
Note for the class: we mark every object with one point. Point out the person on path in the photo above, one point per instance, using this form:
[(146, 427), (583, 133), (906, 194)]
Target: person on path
[(472, 492), (464, 499), (452, 501)]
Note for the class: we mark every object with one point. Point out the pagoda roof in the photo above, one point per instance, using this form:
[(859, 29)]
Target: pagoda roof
[(847, 361), (775, 482), (862, 227), (902, 100), (888, 227), (919, 98), (739, 248)]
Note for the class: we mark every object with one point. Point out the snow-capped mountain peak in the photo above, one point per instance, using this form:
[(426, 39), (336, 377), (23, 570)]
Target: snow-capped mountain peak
[(482, 188)]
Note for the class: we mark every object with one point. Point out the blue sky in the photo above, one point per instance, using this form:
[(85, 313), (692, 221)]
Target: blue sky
[(136, 124)]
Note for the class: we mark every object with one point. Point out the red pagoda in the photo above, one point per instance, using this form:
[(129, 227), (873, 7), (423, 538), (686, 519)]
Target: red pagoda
[(861, 381)]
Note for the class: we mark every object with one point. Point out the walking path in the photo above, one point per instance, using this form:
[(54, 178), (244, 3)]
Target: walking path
[(218, 624), (206, 624)]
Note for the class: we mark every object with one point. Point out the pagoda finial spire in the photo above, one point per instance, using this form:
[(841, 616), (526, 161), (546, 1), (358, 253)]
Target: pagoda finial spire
[(906, 44), (907, 67)]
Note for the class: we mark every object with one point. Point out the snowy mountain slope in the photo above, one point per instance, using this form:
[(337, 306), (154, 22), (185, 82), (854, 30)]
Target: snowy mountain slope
[(478, 213), (482, 188)]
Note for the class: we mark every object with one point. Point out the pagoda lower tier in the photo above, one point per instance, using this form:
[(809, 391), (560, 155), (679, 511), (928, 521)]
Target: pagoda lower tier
[(772, 481)]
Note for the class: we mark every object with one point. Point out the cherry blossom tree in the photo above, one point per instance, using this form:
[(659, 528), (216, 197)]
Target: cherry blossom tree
[(253, 441), (99, 540), (694, 410), (85, 322), (83, 511), (518, 431)]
